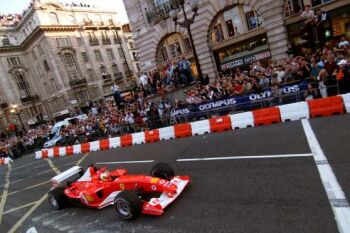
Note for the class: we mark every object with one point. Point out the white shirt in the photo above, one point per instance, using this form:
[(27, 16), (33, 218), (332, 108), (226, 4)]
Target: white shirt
[(144, 80), (115, 88), (343, 43)]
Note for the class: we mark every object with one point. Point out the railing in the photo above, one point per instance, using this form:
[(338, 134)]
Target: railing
[(118, 75), (77, 82), (129, 73), (29, 98), (158, 13), (116, 40)]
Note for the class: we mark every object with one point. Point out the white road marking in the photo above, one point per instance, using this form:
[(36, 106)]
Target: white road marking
[(12, 182), (54, 168), (5, 192), (32, 230), (246, 157), (82, 159), (126, 162), (20, 207), (335, 194)]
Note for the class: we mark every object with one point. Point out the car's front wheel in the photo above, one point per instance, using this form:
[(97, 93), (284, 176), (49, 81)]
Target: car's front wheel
[(128, 205), (163, 171), (58, 200)]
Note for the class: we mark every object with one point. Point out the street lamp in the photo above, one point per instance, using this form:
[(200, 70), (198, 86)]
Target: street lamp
[(180, 4), (14, 109)]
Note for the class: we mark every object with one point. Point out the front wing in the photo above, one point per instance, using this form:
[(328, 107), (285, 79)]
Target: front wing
[(156, 206)]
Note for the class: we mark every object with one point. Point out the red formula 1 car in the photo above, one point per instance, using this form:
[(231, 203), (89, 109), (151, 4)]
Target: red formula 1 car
[(130, 194)]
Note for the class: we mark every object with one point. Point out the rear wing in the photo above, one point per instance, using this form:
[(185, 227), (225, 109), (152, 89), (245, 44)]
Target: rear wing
[(74, 172)]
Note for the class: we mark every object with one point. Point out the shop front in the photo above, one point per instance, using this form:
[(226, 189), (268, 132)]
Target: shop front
[(242, 54)]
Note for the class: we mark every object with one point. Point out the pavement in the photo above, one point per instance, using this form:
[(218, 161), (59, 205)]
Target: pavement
[(261, 179)]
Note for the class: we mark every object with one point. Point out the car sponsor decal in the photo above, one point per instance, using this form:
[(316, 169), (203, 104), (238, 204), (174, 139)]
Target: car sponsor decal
[(154, 180)]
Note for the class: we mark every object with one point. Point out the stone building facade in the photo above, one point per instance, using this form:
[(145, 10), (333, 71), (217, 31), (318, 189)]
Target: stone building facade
[(227, 33), (58, 57)]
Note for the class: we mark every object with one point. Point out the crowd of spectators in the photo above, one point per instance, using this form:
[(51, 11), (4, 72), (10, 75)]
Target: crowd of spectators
[(174, 75), (13, 19)]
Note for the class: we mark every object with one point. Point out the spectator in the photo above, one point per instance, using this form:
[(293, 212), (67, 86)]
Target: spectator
[(116, 94)]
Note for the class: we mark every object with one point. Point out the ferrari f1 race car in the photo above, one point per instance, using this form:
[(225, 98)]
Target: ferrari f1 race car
[(130, 194)]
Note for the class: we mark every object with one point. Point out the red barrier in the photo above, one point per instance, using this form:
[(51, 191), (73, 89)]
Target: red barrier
[(104, 144), (85, 147), (126, 140), (69, 150), (45, 154), (326, 106), (152, 136), (220, 124), (183, 130), (267, 116), (56, 151), (2, 161)]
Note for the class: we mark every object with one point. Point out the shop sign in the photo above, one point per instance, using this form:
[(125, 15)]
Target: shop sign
[(246, 60)]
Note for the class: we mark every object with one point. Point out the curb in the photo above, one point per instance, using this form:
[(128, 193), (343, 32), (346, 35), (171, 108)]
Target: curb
[(290, 112)]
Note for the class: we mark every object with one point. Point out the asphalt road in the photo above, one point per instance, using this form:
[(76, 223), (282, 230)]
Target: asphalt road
[(268, 195)]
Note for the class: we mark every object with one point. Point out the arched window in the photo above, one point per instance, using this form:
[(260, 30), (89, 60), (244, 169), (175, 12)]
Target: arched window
[(171, 47), (54, 18), (70, 62), (22, 83), (292, 7), (234, 21)]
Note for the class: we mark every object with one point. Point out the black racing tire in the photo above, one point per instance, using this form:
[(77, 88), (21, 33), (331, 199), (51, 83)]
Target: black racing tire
[(163, 171), (128, 205), (57, 199)]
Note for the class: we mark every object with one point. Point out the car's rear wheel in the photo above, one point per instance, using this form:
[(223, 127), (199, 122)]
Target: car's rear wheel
[(128, 205), (58, 200), (163, 171)]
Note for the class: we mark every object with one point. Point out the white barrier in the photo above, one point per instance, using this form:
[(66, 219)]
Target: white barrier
[(94, 146), (62, 151), (346, 100), (38, 155), (5, 161), (50, 153), (114, 142), (138, 138), (166, 133), (242, 120), (200, 127), (77, 149), (294, 112)]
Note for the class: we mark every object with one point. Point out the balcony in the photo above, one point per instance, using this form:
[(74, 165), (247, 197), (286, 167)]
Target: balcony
[(93, 41), (77, 82), (106, 40), (30, 98), (129, 73), (107, 78), (158, 13)]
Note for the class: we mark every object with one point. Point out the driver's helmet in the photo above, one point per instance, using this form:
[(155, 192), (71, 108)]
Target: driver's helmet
[(105, 176)]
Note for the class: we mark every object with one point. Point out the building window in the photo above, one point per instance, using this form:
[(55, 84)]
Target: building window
[(69, 61), (98, 55), (40, 49), (93, 39), (6, 42), (81, 96), (187, 44), (110, 54), (34, 57), (319, 2), (115, 70), (105, 38), (22, 84), (54, 18), (237, 20), (103, 70), (126, 67), (46, 65), (138, 67), (131, 45), (120, 52), (13, 61), (80, 41), (84, 57), (292, 7), (63, 42), (175, 50), (90, 74)]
